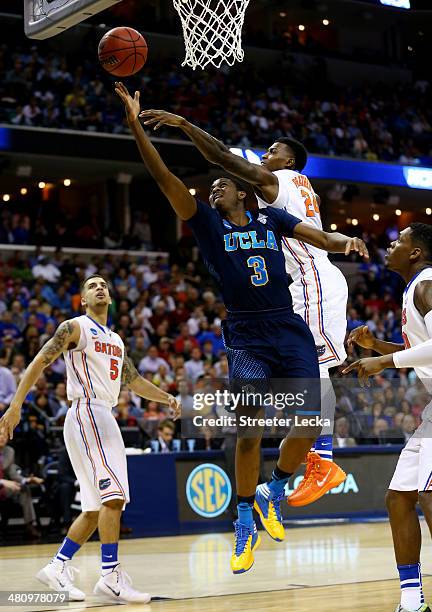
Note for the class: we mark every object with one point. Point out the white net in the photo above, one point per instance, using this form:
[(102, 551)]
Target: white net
[(212, 31), (41, 9)]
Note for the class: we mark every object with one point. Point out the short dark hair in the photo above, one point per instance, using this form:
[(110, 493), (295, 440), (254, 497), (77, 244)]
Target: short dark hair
[(166, 423), (239, 184), (89, 278), (421, 235), (3, 353), (299, 150)]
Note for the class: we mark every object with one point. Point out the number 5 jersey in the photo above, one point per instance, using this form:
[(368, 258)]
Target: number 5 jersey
[(94, 367)]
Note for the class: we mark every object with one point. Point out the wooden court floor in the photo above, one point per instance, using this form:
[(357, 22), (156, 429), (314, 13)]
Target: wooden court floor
[(337, 567)]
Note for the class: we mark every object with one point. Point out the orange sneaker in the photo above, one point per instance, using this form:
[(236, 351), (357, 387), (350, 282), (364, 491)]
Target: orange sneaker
[(321, 475)]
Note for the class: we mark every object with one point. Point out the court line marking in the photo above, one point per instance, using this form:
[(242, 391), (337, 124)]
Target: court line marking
[(295, 587)]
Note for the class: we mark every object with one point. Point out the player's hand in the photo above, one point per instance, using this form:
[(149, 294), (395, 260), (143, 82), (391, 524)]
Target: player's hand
[(160, 117), (362, 336), (175, 407), (34, 480), (11, 485), (357, 244), (365, 368), (10, 420), (132, 105)]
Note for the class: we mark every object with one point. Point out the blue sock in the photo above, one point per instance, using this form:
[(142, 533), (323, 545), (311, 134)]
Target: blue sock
[(278, 481), (66, 550), (109, 557), (411, 586), (245, 516), (324, 447)]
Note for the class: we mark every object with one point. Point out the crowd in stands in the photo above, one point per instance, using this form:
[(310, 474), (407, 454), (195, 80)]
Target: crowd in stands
[(243, 106)]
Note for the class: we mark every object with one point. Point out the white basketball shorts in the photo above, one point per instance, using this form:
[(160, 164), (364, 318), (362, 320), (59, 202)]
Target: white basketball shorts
[(414, 468), (96, 449), (320, 297)]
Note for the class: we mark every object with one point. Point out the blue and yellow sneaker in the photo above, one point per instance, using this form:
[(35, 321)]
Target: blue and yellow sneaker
[(268, 508), (247, 540), (424, 608)]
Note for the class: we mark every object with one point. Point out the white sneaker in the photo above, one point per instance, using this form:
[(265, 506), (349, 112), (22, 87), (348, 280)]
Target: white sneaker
[(59, 575), (117, 585)]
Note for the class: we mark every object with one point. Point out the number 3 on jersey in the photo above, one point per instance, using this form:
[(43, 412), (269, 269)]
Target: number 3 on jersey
[(114, 371), (260, 277)]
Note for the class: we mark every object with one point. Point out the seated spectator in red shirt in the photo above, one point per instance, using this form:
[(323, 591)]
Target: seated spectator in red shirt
[(179, 344)]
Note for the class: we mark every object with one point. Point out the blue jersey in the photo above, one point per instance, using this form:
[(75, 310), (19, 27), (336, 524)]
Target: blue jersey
[(246, 261)]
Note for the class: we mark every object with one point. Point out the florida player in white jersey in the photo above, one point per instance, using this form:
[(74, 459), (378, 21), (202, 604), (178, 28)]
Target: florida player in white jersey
[(411, 257), (97, 365), (319, 290)]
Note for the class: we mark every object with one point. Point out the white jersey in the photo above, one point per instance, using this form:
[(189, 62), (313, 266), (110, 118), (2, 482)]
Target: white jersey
[(298, 198), (413, 470), (319, 291), (414, 331), (95, 366)]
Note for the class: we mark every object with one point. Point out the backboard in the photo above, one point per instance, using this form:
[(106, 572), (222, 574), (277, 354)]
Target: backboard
[(46, 18)]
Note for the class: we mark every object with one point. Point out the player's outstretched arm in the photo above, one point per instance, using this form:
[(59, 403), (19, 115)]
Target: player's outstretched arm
[(214, 150), (332, 242), (144, 388), (66, 335), (172, 187)]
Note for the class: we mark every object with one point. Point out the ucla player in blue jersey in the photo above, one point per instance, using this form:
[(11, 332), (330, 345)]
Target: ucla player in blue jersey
[(263, 336)]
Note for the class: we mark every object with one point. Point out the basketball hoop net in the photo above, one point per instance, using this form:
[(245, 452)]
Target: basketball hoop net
[(212, 31)]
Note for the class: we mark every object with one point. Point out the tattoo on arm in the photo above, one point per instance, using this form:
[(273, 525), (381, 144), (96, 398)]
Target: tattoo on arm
[(129, 372), (58, 343)]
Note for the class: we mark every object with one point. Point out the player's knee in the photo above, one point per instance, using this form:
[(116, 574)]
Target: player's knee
[(397, 501), (425, 501), (391, 500), (91, 516), (115, 504)]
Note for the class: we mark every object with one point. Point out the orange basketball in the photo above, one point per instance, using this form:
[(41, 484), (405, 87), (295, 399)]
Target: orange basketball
[(122, 52)]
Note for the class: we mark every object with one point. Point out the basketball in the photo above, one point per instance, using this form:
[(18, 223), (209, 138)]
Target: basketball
[(122, 52)]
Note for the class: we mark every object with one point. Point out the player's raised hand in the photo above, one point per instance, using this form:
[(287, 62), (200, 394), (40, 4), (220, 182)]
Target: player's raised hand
[(357, 244), (362, 336), (132, 105), (365, 368), (175, 407), (10, 420), (160, 117)]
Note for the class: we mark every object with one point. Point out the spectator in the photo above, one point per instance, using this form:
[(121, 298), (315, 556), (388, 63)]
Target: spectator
[(152, 362), (58, 403), (46, 270), (7, 382), (194, 366), (165, 435), (342, 437), (15, 487), (184, 342), (408, 426)]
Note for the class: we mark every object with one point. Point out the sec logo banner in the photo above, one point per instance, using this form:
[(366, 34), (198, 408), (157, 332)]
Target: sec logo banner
[(208, 490)]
